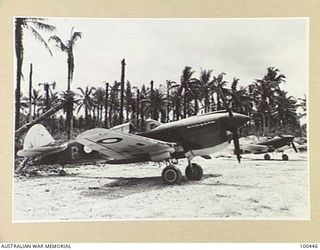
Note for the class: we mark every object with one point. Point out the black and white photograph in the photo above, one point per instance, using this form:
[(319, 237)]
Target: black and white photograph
[(160, 119)]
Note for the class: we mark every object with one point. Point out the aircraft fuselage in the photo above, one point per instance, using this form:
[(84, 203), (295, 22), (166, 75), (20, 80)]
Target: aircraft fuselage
[(199, 135)]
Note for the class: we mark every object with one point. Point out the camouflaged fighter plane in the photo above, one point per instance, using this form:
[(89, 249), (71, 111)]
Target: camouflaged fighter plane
[(276, 144), (194, 136)]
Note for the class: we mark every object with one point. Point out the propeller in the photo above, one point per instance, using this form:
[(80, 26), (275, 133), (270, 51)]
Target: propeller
[(233, 127), (291, 143), (294, 147)]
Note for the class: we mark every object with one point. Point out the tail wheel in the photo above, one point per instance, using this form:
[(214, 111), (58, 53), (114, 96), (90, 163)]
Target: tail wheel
[(285, 157), (172, 175), (194, 172), (267, 157)]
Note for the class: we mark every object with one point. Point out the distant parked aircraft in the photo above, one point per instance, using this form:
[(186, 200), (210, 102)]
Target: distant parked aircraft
[(279, 144)]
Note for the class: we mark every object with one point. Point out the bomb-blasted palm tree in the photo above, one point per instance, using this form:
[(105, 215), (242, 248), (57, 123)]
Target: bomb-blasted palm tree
[(31, 24), (67, 47)]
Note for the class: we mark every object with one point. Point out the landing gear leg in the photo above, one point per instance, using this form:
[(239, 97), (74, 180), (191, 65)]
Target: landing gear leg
[(171, 175), (194, 171)]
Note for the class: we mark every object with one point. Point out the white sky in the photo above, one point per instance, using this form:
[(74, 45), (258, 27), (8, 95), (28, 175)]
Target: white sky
[(159, 49)]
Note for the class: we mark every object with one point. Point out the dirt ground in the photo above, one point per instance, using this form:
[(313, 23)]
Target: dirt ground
[(254, 189)]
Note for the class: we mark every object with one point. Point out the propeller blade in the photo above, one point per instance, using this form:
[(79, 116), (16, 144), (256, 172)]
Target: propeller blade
[(294, 147), (234, 129), (236, 143), (224, 99)]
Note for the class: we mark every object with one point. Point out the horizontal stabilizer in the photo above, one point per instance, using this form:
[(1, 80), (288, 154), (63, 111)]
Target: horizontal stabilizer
[(39, 142)]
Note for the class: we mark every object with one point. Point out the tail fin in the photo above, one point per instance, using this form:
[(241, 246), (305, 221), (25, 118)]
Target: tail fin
[(37, 136)]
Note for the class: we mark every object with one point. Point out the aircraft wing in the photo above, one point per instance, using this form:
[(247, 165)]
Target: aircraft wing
[(121, 146)]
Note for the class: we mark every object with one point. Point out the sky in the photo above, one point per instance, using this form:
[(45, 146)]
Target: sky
[(159, 49)]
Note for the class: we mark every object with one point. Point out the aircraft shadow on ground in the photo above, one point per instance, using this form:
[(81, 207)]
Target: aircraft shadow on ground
[(122, 186), (247, 159)]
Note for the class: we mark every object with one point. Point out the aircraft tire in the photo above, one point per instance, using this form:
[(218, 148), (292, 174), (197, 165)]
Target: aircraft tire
[(194, 172), (285, 157), (172, 175), (267, 157)]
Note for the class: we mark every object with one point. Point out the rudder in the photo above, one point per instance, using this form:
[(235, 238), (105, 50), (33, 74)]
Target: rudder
[(37, 136)]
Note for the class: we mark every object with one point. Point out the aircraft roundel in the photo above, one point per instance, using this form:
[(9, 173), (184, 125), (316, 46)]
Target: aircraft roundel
[(87, 149), (110, 140)]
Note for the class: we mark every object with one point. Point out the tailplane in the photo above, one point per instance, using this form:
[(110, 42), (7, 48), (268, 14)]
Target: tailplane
[(37, 136)]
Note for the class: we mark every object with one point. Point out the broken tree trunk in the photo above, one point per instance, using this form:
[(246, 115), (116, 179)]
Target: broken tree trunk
[(42, 117)]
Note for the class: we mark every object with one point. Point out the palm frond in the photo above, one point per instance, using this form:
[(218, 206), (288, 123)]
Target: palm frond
[(82, 91), (39, 37), (40, 25), (58, 43), (75, 36)]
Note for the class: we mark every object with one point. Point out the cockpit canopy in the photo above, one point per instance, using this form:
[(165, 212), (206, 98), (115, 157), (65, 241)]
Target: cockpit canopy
[(131, 128)]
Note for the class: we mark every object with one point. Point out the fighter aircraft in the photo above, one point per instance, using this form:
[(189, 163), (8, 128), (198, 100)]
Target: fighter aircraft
[(278, 144), (194, 136)]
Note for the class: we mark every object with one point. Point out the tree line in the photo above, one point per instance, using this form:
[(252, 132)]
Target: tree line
[(272, 109)]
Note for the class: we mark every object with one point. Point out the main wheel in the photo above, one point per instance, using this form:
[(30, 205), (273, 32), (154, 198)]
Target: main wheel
[(62, 172), (267, 157), (285, 157), (171, 175), (194, 172)]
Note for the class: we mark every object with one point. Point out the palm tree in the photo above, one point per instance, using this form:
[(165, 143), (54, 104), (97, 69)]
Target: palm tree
[(204, 88), (69, 105), (143, 96), (106, 103), (170, 104), (155, 103), (303, 105), (99, 102), (219, 84), (284, 111), (67, 47), (185, 88), (264, 92), (86, 102), (123, 65), (176, 100), (114, 104), (31, 24), (240, 99), (36, 99), (160, 103), (129, 101)]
